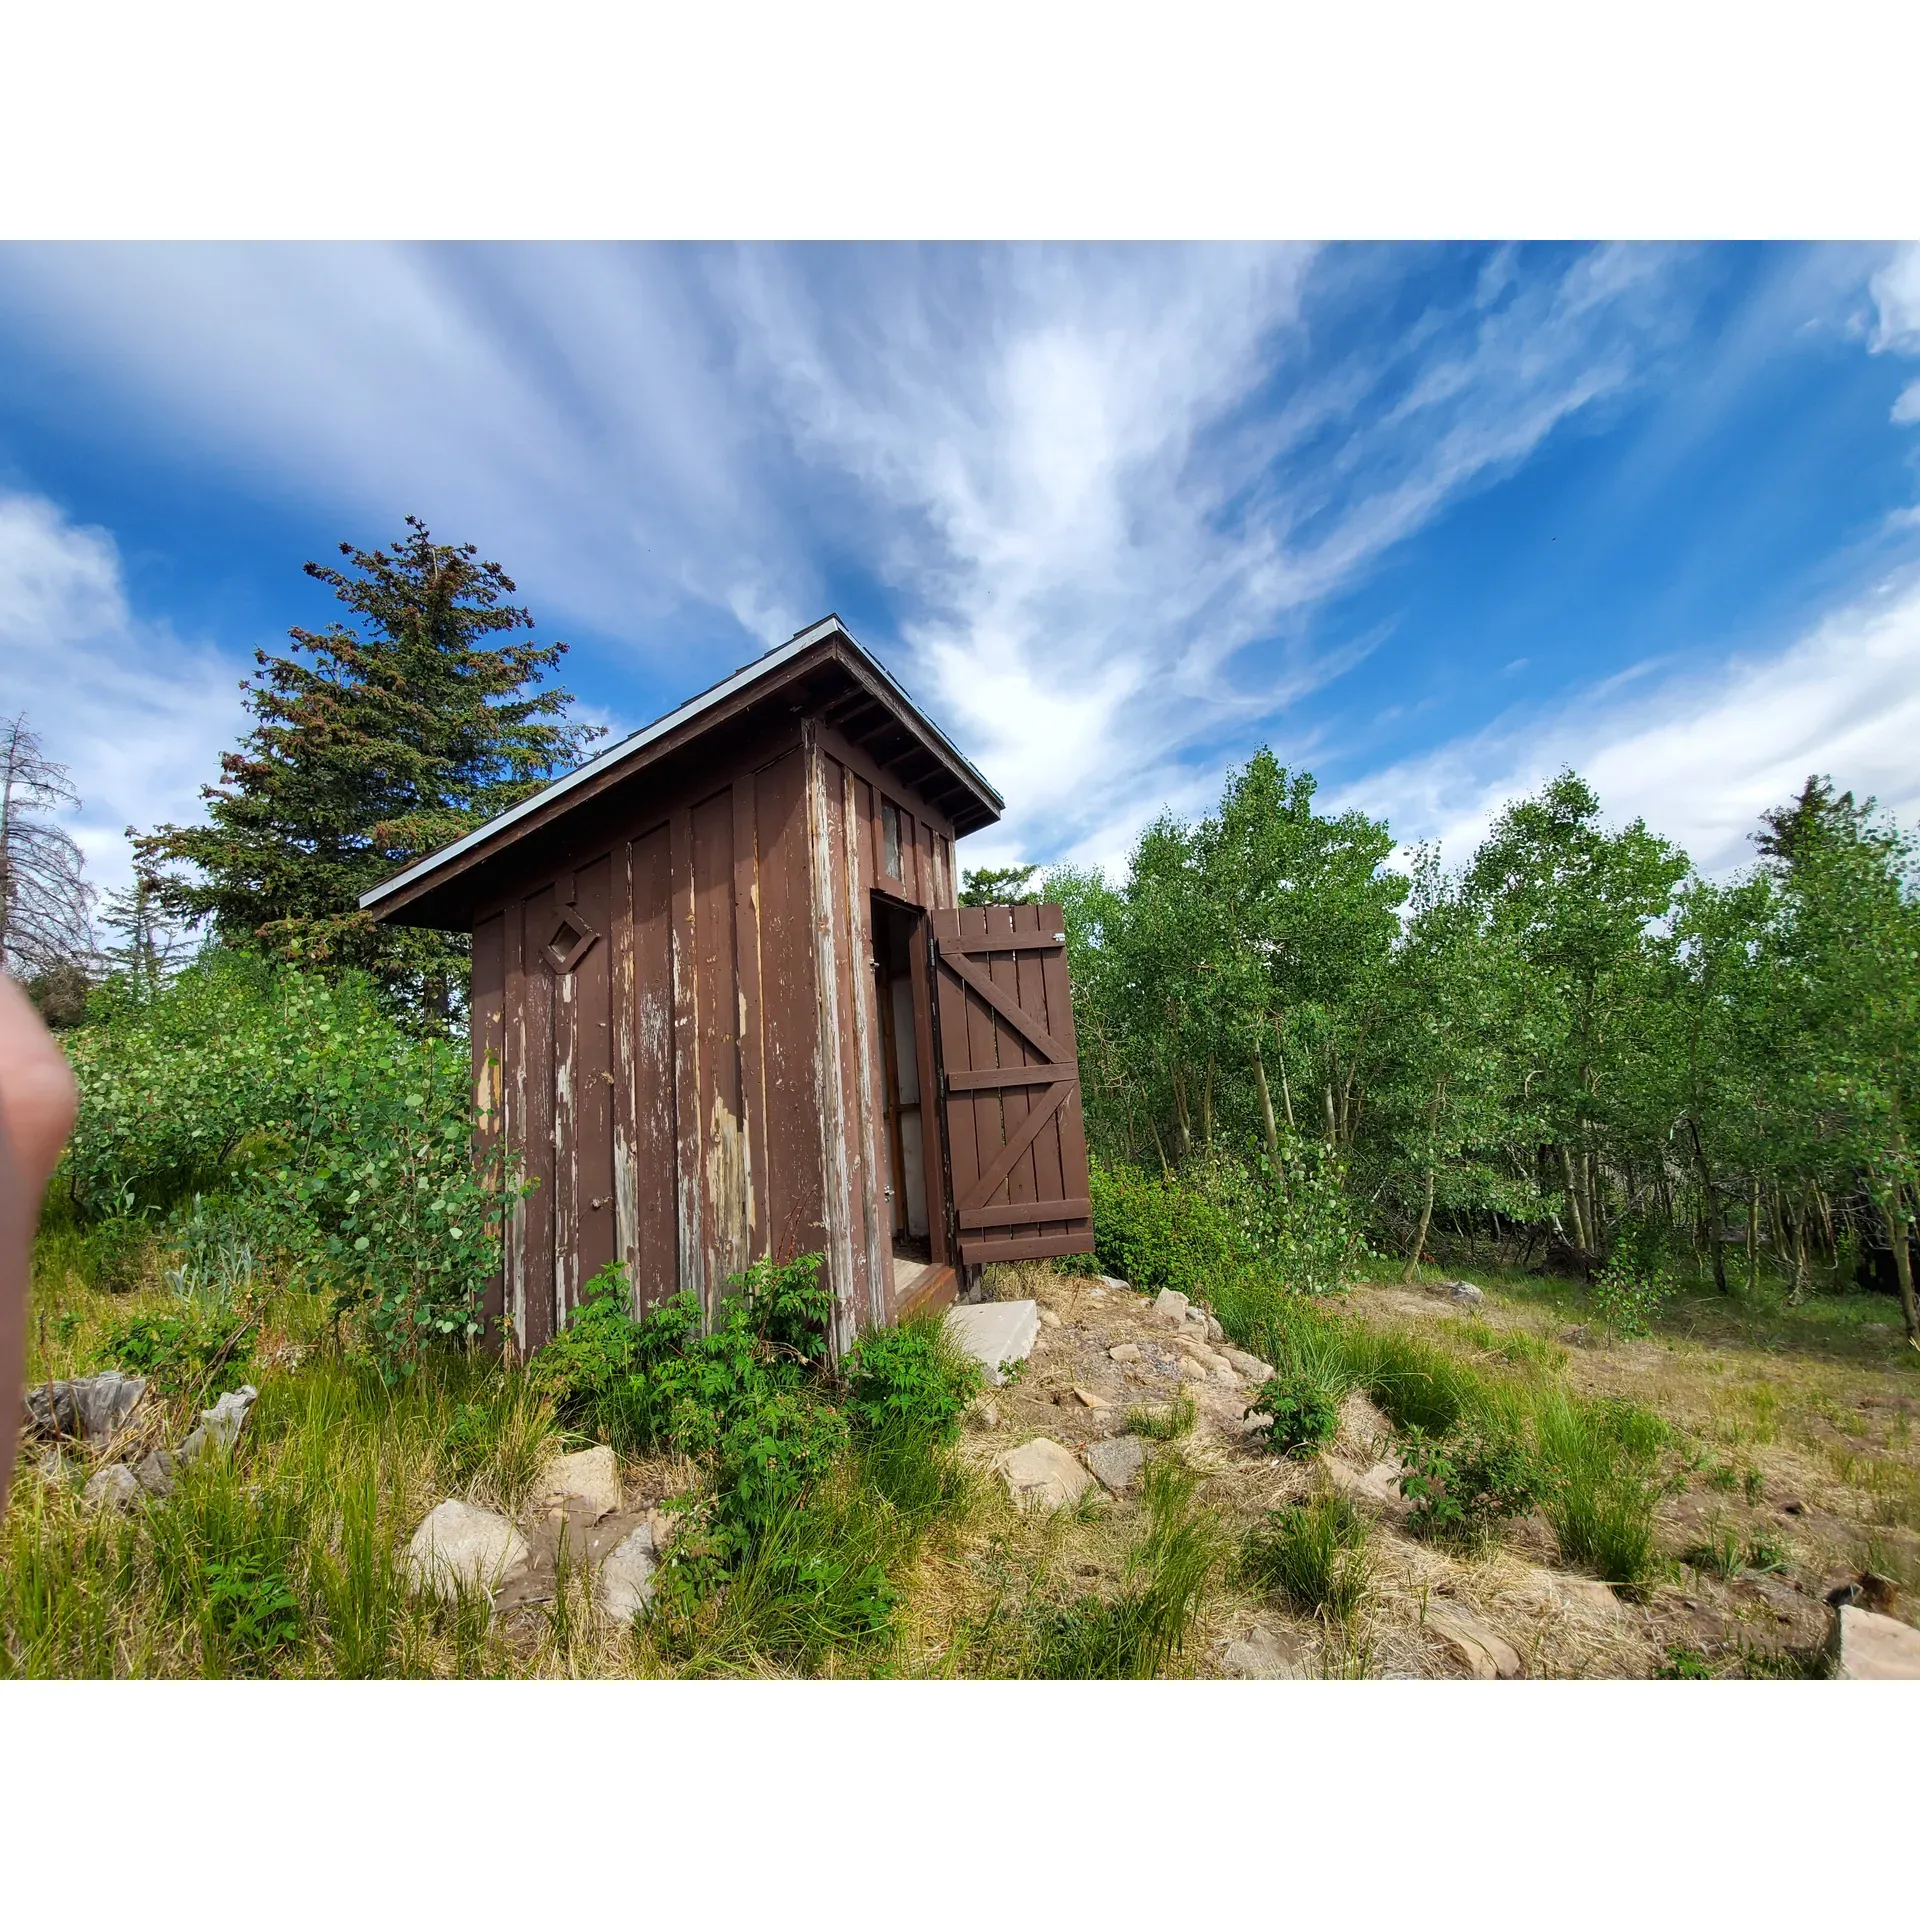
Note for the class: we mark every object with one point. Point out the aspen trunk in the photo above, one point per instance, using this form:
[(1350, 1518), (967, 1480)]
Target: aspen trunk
[(1266, 1108), (1711, 1200), (1902, 1265)]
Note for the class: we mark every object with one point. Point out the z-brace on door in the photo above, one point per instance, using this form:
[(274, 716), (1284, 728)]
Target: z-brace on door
[(1010, 1084)]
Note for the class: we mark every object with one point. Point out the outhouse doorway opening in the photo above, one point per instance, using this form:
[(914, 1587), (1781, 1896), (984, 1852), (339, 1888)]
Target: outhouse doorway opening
[(910, 1127)]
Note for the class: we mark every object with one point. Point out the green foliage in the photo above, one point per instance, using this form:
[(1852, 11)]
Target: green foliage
[(997, 886), (1314, 1556), (910, 1376), (251, 1607), (1464, 1486), (1137, 1633), (202, 1353), (409, 728), (1232, 1233), (1173, 1421), (1682, 1663), (1631, 1288), (1306, 1413), (1599, 1488), (296, 1129)]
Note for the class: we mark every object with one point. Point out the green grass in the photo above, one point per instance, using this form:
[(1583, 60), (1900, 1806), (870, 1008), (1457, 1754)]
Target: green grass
[(1598, 1460), (1312, 1556), (1172, 1421), (1139, 1632)]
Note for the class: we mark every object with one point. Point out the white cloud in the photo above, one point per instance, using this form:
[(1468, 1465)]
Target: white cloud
[(1906, 409), (139, 715), (1896, 300), (1105, 487), (1698, 757)]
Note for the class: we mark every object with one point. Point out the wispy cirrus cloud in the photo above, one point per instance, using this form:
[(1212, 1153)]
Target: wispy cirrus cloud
[(1698, 752), (1104, 494)]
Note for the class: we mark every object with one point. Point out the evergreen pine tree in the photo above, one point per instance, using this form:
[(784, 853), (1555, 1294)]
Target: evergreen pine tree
[(394, 736)]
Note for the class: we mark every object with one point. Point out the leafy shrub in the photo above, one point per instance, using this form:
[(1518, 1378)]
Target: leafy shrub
[(910, 1376), (1682, 1663), (1314, 1556), (1630, 1289), (251, 1607), (180, 1352), (1463, 1486), (343, 1141), (1306, 1415)]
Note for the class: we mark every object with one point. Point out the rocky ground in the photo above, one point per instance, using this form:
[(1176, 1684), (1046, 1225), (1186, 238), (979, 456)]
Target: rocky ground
[(1056, 1430)]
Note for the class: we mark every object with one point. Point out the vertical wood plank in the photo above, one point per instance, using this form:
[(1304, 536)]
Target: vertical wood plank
[(594, 1188), (686, 1059), (795, 1195), (836, 1152), (535, 1313), (624, 1006), (657, 1272), (722, 1142), (876, 1220), (752, 1017), (488, 1008)]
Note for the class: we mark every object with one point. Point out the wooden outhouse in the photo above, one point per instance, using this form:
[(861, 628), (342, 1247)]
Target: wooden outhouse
[(724, 1005)]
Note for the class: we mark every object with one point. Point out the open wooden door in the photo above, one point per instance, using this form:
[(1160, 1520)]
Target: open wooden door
[(1010, 1085)]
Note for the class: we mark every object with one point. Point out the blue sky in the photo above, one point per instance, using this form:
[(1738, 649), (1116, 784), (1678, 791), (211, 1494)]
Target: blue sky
[(1431, 521)]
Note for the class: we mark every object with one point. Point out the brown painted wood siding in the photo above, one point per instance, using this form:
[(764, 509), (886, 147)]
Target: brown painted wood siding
[(677, 1033), (1010, 1084)]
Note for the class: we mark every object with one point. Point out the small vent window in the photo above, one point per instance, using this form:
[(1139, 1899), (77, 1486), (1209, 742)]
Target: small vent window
[(890, 839)]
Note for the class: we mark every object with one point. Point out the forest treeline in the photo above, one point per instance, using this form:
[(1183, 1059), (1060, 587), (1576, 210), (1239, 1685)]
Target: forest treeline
[(1573, 1045)]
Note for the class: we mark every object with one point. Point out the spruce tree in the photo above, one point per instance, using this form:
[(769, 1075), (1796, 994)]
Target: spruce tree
[(374, 743)]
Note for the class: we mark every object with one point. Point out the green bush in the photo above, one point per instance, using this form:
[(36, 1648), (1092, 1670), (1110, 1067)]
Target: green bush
[(910, 1376), (341, 1141), (205, 1353), (1306, 1415), (1463, 1486)]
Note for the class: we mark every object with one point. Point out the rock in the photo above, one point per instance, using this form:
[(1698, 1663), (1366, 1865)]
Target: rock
[(1473, 1643), (224, 1419), (114, 1488), (1872, 1646), (582, 1485), (661, 1522), (460, 1546), (1215, 1331), (1380, 1483), (1124, 1352), (93, 1408), (1048, 1318), (1116, 1462), (155, 1473), (1043, 1476), (58, 1471), (625, 1580), (1191, 1369), (1088, 1398), (986, 1414), (1119, 1286), (1466, 1293), (1578, 1594), (1264, 1654), (1171, 1306), (997, 1333), (1249, 1366)]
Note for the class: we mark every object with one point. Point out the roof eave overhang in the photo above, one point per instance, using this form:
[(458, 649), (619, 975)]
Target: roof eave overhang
[(825, 641)]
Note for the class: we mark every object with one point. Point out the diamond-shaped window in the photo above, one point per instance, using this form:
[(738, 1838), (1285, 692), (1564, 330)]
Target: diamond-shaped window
[(569, 943)]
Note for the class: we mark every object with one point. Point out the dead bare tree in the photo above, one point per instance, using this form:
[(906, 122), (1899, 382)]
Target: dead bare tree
[(46, 906)]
